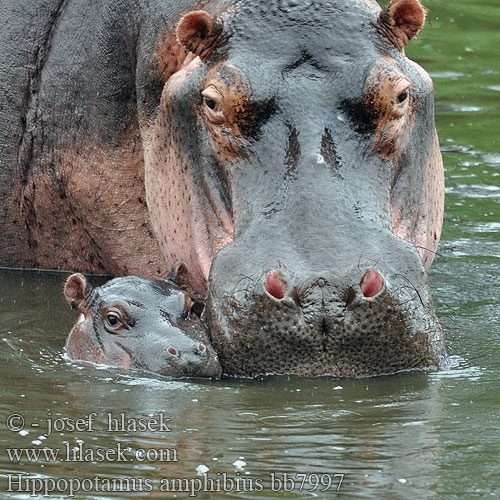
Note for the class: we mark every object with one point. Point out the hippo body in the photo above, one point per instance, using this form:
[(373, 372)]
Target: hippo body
[(285, 150), (138, 323)]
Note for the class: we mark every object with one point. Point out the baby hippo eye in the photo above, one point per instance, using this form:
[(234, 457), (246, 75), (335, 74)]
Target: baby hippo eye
[(113, 319), (117, 316)]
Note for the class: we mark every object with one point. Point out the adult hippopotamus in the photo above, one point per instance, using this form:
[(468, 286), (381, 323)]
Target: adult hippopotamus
[(286, 151), (139, 323)]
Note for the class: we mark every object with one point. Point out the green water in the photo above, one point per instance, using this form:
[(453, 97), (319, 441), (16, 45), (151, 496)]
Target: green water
[(415, 435)]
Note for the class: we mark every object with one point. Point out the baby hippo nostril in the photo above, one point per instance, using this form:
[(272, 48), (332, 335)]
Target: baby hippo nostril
[(172, 351), (372, 283), (275, 285)]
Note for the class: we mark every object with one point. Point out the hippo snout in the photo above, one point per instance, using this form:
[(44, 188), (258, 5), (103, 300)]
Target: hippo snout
[(371, 284), (198, 359), (353, 319)]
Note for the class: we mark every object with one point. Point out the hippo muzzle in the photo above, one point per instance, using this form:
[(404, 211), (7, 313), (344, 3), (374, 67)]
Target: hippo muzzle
[(285, 311)]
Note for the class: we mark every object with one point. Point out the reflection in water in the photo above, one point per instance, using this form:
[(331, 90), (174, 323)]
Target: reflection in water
[(388, 435)]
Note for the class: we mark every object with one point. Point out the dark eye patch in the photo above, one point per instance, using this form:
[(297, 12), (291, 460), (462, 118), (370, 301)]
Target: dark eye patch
[(362, 116), (255, 116)]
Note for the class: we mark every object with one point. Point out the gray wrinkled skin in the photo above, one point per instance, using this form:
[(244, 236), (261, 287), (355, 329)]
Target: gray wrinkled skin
[(156, 334), (309, 166), (312, 189)]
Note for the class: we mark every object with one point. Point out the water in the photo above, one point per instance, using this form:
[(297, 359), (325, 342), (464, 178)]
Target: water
[(414, 435)]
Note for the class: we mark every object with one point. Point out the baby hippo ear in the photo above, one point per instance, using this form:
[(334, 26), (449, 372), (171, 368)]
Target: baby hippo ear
[(180, 275), (198, 31), (77, 291), (401, 20)]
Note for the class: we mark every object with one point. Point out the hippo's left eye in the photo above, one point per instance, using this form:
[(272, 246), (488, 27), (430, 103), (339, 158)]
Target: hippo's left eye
[(403, 96), (402, 92), (400, 99), (113, 319)]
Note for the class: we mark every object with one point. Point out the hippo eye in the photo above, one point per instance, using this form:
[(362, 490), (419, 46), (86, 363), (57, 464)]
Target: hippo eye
[(210, 103), (401, 90), (113, 319), (117, 317), (403, 96), (213, 100)]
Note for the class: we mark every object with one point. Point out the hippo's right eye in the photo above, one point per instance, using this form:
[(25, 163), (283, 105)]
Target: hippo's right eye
[(210, 103), (116, 319), (116, 316), (213, 104)]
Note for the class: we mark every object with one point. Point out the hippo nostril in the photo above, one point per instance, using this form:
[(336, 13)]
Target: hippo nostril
[(275, 285), (371, 284), (172, 351)]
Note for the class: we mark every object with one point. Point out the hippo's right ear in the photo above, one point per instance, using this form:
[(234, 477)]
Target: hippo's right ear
[(198, 32), (77, 290)]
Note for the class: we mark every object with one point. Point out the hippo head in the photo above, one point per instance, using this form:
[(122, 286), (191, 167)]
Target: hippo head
[(139, 323), (297, 145)]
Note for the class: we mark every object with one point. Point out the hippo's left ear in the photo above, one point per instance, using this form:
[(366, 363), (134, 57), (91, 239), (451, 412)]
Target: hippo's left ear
[(401, 20), (198, 32), (180, 276), (77, 290)]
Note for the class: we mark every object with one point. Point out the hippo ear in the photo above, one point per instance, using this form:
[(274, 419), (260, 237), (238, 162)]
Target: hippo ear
[(76, 291), (198, 31), (401, 20), (180, 275)]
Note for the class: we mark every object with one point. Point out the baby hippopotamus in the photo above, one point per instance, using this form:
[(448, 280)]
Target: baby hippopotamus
[(140, 323)]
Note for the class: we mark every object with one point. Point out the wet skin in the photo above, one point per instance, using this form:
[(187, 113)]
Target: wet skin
[(321, 164), (286, 151), (139, 323)]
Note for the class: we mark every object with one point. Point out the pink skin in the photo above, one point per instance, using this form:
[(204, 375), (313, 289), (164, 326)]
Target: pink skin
[(417, 217), (81, 346), (275, 285), (189, 227), (371, 284)]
